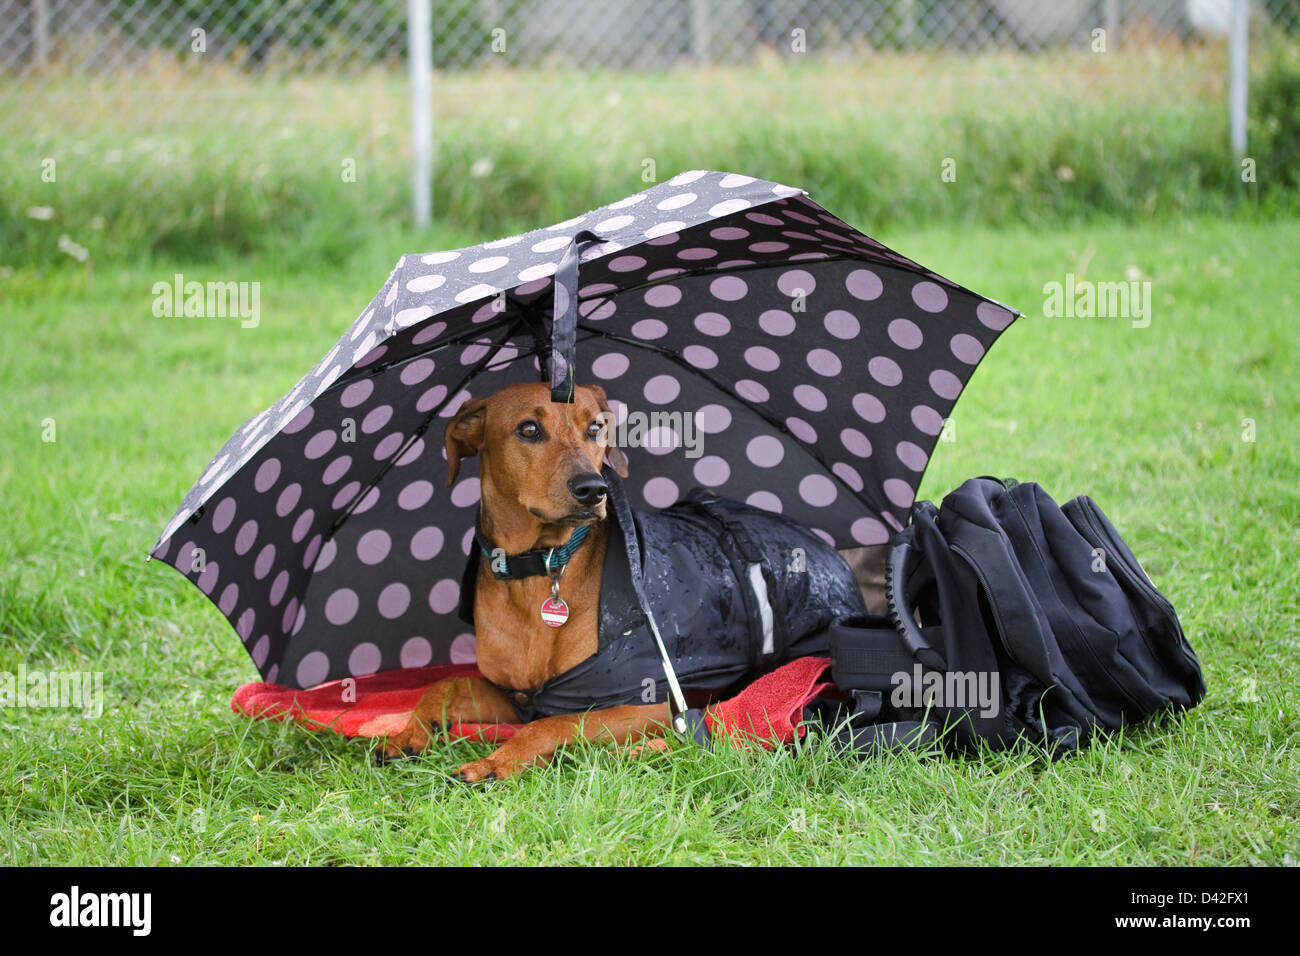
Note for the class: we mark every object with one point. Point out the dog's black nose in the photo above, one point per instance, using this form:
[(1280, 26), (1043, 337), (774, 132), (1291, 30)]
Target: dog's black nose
[(589, 488)]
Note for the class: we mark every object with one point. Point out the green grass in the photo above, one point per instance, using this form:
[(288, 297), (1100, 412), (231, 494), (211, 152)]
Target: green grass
[(1147, 421), (188, 162)]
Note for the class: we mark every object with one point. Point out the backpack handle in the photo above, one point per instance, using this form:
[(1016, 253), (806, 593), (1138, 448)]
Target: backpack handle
[(902, 562)]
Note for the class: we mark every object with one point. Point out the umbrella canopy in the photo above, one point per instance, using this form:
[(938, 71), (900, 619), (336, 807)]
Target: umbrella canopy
[(750, 342)]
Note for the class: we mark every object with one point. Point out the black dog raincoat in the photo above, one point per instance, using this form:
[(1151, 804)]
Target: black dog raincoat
[(736, 591)]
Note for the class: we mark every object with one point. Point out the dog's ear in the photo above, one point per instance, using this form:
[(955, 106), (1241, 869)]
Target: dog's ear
[(614, 456), (464, 435)]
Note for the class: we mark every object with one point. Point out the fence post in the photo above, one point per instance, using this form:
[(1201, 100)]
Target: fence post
[(701, 32), (419, 24), (1238, 67), (40, 32)]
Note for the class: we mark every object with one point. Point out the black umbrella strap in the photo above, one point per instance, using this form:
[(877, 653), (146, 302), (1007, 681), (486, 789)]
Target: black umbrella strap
[(623, 514), (564, 325)]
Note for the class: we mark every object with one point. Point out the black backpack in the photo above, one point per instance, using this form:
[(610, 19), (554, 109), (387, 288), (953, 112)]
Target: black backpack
[(1035, 622)]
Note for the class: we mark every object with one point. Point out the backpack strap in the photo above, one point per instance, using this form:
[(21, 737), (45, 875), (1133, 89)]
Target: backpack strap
[(866, 653), (899, 565)]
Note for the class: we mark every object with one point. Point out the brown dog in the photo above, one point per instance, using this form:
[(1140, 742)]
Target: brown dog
[(540, 475)]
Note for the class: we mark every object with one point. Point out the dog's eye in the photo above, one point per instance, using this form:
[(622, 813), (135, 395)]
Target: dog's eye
[(529, 430), (595, 429)]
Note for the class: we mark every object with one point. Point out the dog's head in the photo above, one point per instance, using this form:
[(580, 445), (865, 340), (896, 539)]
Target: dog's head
[(543, 456)]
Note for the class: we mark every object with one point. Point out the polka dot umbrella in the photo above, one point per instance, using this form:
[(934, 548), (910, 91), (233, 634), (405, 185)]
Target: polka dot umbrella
[(749, 341)]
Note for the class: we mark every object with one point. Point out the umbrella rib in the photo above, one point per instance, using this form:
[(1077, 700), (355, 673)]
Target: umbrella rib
[(756, 409)]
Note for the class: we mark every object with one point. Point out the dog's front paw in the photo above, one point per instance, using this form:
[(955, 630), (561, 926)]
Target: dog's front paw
[(415, 738), (501, 763)]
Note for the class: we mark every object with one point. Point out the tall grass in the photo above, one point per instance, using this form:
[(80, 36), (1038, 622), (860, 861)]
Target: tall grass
[(179, 162)]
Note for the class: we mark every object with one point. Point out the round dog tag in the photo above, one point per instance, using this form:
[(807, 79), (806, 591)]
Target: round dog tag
[(554, 611)]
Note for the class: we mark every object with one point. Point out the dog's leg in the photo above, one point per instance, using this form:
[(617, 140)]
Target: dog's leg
[(537, 741), (450, 701)]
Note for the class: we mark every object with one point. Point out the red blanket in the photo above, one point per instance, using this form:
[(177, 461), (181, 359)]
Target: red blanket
[(768, 711)]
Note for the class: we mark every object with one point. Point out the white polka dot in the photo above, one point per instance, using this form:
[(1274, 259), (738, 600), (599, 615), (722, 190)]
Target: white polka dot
[(765, 451), (664, 229), (537, 272), (341, 606), (465, 493), (490, 264), (712, 419), (662, 389), (761, 358), (864, 284), (660, 492), (444, 597), (712, 323), (856, 442), (416, 652), (869, 531), (313, 669), (801, 430), (810, 397), (650, 329), (825, 362), (930, 296), (776, 322), (912, 455), (841, 324), (712, 471), (700, 357), (551, 245), (796, 282), (364, 659), (728, 288), (899, 492), (818, 490), (425, 283), (475, 292), (661, 440), (728, 206), (613, 223), (967, 348), (610, 365), (464, 649), (885, 370), (848, 475)]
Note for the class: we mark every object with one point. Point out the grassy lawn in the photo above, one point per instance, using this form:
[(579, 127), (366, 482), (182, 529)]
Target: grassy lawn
[(1152, 422)]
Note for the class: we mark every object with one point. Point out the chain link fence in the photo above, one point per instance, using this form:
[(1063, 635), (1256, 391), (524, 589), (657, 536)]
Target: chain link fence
[(156, 87), (100, 38)]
